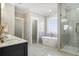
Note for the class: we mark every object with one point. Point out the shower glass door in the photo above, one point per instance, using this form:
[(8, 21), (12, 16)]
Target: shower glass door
[(69, 26)]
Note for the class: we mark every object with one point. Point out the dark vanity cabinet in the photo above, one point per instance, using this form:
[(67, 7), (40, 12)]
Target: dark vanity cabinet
[(15, 50)]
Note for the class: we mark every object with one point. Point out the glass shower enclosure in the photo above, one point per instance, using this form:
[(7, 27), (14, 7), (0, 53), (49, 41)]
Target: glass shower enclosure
[(69, 28)]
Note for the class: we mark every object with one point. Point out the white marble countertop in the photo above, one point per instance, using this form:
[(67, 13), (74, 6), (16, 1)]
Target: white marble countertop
[(12, 40)]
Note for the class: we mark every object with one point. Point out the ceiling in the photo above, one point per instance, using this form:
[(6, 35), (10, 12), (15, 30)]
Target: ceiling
[(70, 5), (40, 8)]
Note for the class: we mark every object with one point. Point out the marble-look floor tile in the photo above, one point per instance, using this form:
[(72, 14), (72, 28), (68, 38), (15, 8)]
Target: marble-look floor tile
[(42, 50)]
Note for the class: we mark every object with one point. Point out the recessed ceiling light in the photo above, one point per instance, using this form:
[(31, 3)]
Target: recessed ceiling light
[(50, 10)]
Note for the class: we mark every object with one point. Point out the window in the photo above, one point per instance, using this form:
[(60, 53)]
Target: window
[(52, 25)]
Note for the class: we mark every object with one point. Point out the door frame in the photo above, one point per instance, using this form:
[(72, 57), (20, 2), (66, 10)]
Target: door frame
[(35, 18)]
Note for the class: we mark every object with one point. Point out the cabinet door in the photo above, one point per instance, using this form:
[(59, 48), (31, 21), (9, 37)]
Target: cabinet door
[(0, 51), (15, 50)]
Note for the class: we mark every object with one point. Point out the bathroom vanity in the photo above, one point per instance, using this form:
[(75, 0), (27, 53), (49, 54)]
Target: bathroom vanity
[(14, 46)]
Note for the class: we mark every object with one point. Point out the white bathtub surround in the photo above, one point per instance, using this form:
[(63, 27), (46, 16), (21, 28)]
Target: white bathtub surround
[(11, 40), (49, 41)]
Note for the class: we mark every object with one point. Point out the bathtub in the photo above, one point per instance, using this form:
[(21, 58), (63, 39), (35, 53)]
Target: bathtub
[(49, 41)]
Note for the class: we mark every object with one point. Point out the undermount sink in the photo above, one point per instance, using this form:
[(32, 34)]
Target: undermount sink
[(8, 39)]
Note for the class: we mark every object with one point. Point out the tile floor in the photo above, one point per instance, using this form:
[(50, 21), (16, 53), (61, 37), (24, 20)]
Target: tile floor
[(42, 50)]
